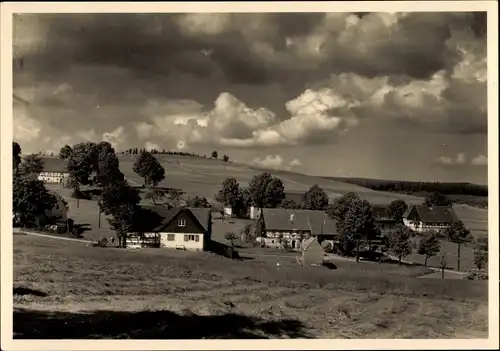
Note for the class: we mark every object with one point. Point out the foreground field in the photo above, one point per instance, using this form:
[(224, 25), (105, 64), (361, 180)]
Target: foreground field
[(68, 290)]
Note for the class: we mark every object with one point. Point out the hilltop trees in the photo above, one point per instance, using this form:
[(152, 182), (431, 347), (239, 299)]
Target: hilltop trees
[(457, 233), (225, 158), (215, 154), (32, 165), (429, 246), (266, 191), (399, 242), (65, 152), (315, 199), (396, 210), (148, 167)]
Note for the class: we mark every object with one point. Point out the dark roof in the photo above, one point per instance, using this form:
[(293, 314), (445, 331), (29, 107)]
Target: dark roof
[(54, 165), (157, 217), (315, 221), (435, 214)]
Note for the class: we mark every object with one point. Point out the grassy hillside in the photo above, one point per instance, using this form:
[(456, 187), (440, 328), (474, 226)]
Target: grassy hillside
[(68, 290), (203, 177)]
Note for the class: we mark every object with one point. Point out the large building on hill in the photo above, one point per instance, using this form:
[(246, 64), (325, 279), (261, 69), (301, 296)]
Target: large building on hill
[(177, 228), (421, 218), (284, 227), (54, 171)]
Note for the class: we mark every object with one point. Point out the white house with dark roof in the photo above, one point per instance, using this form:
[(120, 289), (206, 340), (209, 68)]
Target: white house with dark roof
[(54, 171), (421, 218), (184, 228)]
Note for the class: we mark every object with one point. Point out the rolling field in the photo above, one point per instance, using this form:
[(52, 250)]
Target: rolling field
[(66, 289)]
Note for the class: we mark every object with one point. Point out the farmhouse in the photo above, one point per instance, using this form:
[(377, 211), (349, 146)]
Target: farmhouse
[(285, 227), (54, 171), (421, 218), (177, 228)]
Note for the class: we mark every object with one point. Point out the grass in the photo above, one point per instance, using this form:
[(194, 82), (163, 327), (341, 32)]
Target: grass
[(113, 293)]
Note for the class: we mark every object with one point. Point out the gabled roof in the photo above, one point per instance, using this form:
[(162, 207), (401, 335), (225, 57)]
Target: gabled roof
[(435, 214), (54, 165), (304, 220), (157, 217)]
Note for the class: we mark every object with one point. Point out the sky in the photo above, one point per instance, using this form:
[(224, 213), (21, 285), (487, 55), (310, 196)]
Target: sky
[(379, 95)]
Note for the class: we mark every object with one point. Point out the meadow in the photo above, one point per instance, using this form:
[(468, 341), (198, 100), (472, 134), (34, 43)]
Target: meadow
[(65, 289)]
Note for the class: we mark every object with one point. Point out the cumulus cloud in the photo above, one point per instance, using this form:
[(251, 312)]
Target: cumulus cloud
[(295, 162), (270, 161), (480, 160), (461, 159)]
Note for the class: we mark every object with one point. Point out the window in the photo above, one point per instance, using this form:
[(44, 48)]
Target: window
[(181, 223), (191, 237), (170, 237)]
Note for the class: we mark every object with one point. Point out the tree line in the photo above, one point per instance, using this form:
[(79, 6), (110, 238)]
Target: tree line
[(409, 187), (138, 151)]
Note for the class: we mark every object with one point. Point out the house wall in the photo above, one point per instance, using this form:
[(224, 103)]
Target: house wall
[(254, 212), (186, 241), (424, 227), (272, 239), (53, 177)]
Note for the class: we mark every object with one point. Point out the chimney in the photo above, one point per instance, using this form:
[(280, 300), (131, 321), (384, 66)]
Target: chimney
[(291, 217)]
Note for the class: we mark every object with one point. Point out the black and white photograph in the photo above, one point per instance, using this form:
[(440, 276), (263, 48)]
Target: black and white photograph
[(251, 174)]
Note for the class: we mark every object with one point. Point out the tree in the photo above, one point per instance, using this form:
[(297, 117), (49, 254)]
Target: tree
[(359, 223), (429, 246), (32, 165), (274, 193), (108, 167), (242, 203), (481, 253), (120, 201), (341, 205), (16, 156), (260, 226), (65, 152), (436, 199), (81, 164), (247, 234), (443, 263), (288, 204), (457, 233), (148, 167), (199, 202), (400, 242), (30, 200), (266, 191), (155, 195), (396, 210), (315, 199), (215, 154), (231, 237), (230, 192), (225, 158)]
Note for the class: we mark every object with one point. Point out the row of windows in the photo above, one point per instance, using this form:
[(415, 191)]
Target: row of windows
[(187, 237)]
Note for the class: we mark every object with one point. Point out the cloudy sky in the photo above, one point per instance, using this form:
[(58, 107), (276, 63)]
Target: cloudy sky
[(398, 96)]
